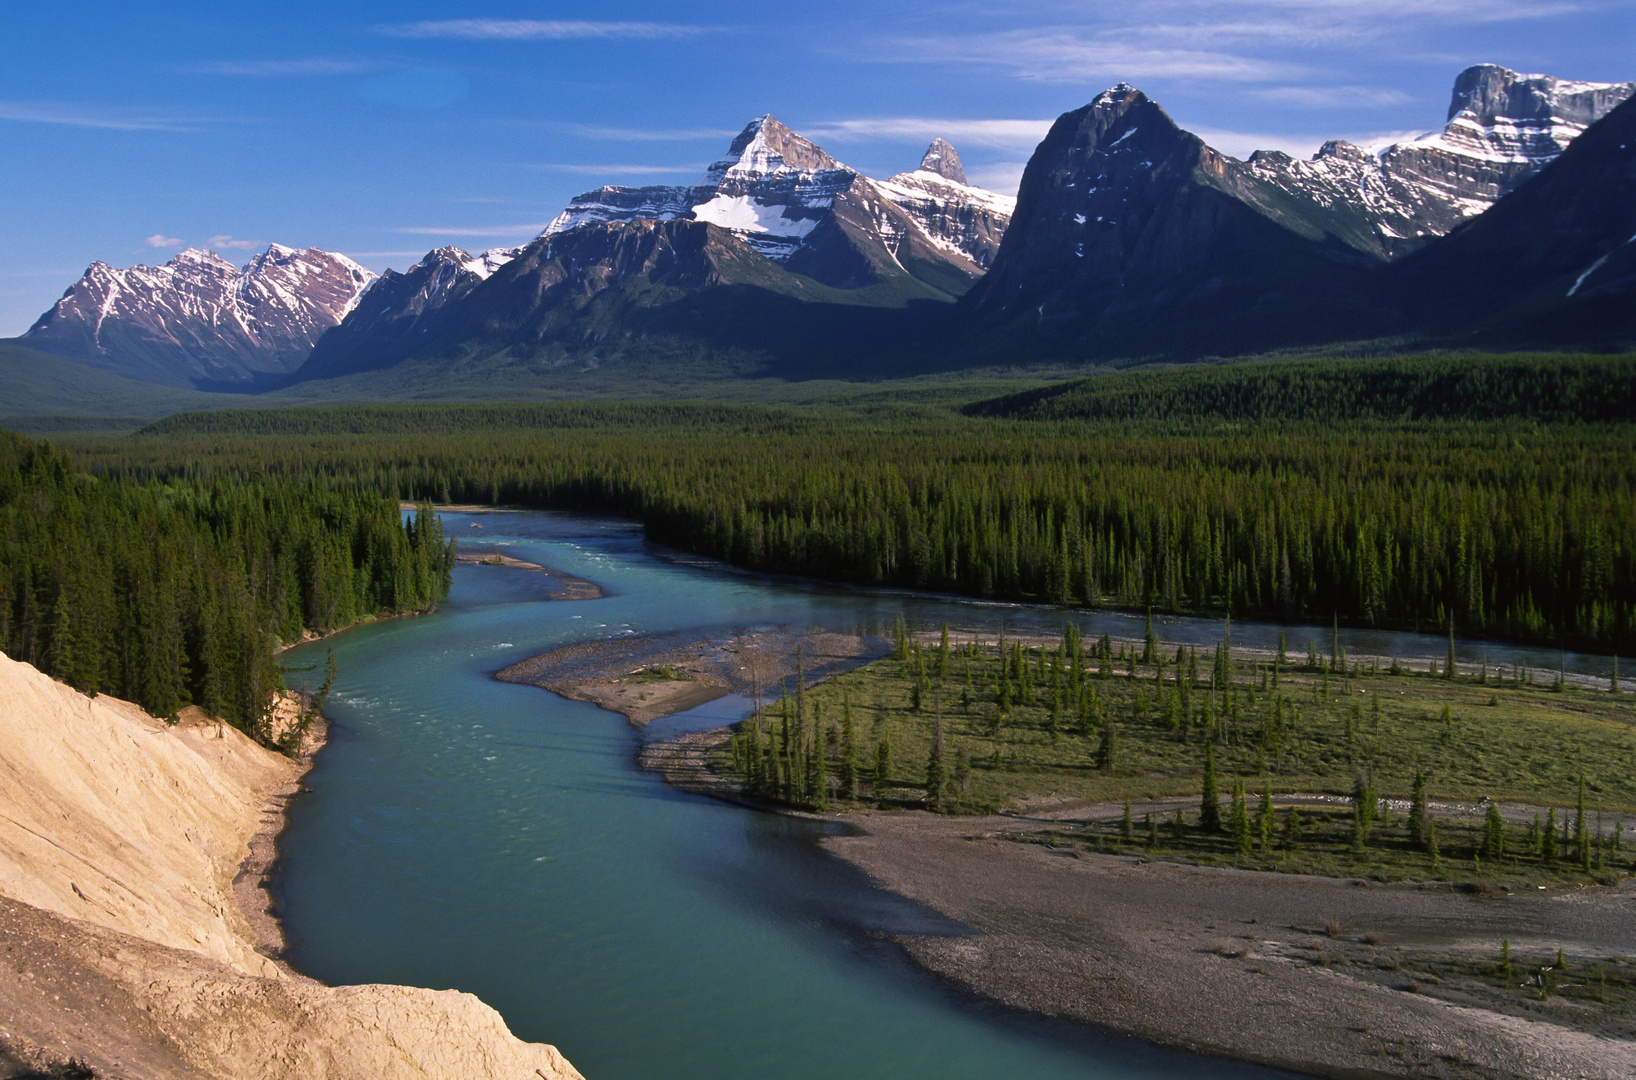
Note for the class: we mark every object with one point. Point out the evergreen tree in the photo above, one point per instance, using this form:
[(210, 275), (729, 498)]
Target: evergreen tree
[(1582, 846), (849, 749), (883, 767), (1107, 751), (1294, 830), (936, 772), (1239, 820), (1210, 803), (1417, 811), (1547, 840), (1127, 825), (1493, 846), (1449, 664), (1264, 818)]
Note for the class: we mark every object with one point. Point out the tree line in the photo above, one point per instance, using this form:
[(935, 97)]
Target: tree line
[(170, 593), (1509, 531)]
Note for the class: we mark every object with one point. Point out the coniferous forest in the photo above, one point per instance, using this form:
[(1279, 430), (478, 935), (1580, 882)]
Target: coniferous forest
[(177, 593), (1507, 528)]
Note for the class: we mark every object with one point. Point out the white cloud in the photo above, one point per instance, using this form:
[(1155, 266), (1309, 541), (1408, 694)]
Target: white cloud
[(280, 68), (80, 116), (227, 243), (1323, 97), (961, 132), (1074, 55), (485, 231), (538, 29), (160, 240), (1241, 144)]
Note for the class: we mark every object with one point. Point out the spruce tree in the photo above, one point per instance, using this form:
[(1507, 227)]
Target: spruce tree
[(1239, 820), (1417, 811), (883, 766), (1293, 829), (1210, 803), (1547, 840), (1493, 846), (849, 749), (1127, 825), (936, 772), (1152, 831), (1582, 844), (1108, 750), (1263, 818), (1449, 664)]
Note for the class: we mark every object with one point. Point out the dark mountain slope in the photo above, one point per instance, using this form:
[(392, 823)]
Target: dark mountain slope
[(1553, 263), (1133, 236)]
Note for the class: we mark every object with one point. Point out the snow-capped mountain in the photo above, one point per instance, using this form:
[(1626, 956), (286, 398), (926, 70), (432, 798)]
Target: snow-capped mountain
[(200, 320), (798, 206), (1553, 264), (1502, 128), (1133, 236), (400, 308), (954, 214)]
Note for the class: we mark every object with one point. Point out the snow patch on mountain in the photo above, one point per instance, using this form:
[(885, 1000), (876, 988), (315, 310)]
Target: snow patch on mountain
[(1502, 128)]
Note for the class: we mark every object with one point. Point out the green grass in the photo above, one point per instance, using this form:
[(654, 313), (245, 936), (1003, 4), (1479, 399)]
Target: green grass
[(1525, 743), (1325, 846)]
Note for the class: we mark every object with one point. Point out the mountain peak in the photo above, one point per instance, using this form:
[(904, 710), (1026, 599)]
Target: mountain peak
[(941, 158), (1489, 92), (766, 146)]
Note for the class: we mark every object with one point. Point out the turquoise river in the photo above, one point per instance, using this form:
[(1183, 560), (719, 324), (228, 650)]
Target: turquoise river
[(462, 832)]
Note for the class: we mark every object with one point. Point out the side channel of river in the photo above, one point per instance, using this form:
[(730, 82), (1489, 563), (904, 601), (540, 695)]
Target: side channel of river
[(495, 838)]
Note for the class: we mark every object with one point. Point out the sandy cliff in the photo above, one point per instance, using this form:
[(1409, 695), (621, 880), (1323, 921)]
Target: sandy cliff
[(121, 946)]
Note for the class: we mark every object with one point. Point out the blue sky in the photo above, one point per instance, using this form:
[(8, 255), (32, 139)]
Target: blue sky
[(383, 130)]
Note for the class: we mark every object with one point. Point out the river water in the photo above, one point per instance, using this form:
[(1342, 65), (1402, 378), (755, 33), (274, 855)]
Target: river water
[(495, 838)]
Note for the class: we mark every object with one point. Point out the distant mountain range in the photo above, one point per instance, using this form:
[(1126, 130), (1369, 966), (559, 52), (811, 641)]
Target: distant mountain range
[(1129, 237)]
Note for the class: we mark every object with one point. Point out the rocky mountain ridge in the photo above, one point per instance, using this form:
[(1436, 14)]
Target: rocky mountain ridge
[(200, 320), (781, 193), (1502, 128), (1129, 236), (1133, 237)]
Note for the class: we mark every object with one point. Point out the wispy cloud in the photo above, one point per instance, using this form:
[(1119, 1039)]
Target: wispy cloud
[(538, 29), (1241, 144), (606, 133), (384, 254), (616, 170), (90, 117), (484, 231), (228, 243), (1075, 55), (962, 131), (1324, 97), (272, 69), (160, 240)]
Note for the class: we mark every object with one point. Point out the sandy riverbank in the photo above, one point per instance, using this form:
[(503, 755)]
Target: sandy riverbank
[(1241, 963), (133, 939), (645, 678)]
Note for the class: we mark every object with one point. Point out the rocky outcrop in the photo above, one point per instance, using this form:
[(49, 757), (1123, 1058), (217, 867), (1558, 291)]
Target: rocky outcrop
[(1502, 128), (403, 308), (953, 214), (793, 203), (1132, 234), (1552, 264), (120, 839), (200, 321)]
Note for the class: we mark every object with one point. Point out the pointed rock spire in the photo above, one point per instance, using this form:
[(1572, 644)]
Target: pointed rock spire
[(942, 159)]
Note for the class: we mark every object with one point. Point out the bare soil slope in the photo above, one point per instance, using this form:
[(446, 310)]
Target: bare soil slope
[(121, 946)]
